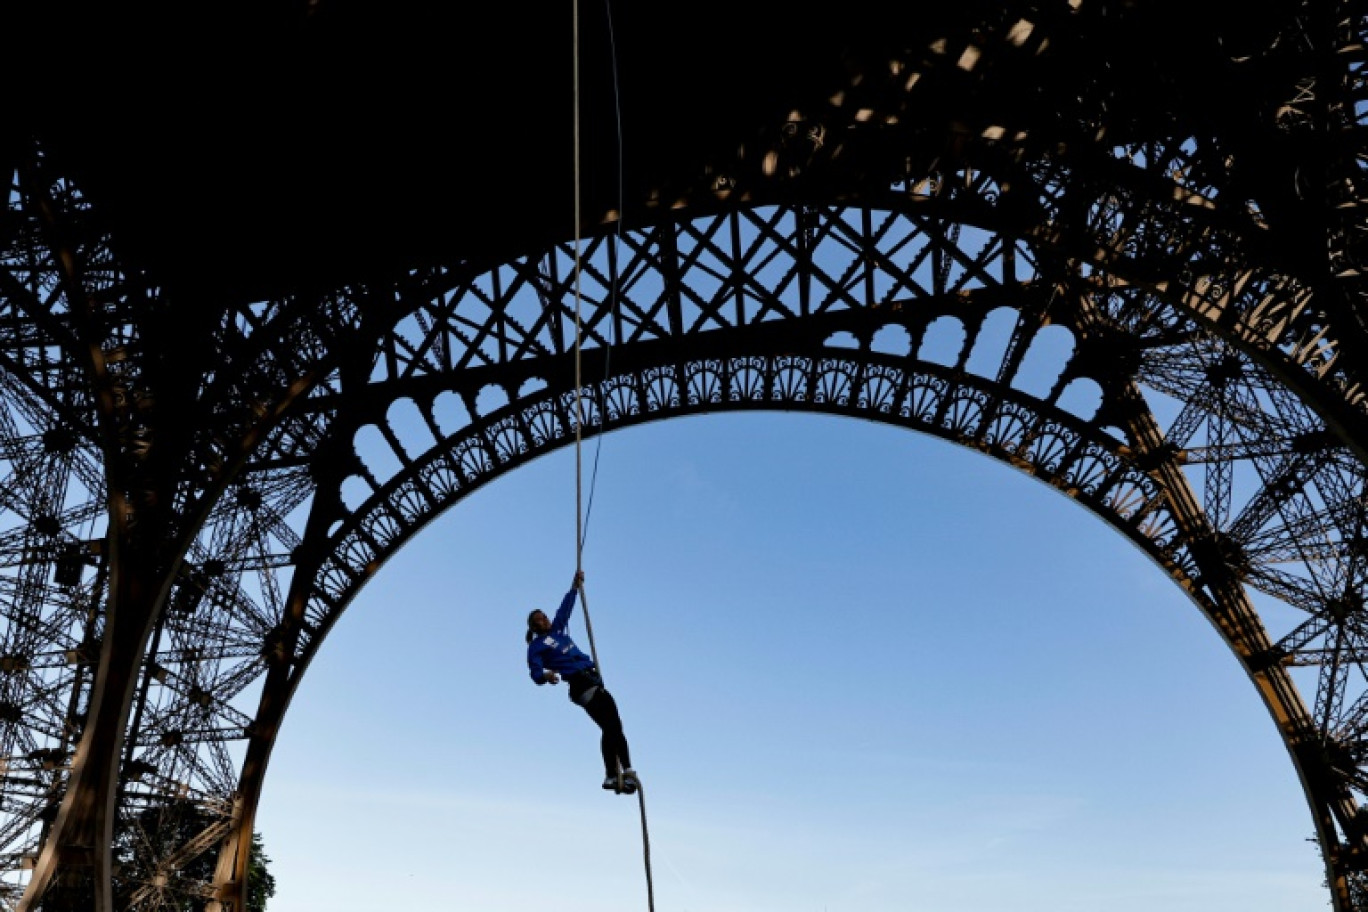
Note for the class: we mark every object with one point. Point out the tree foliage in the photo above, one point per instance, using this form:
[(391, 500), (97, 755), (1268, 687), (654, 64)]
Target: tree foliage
[(144, 854), (145, 861)]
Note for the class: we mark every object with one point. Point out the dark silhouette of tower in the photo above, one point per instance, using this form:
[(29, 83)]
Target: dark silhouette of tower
[(237, 235)]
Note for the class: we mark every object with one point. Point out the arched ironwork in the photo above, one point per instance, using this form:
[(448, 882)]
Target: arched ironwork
[(870, 352), (177, 534)]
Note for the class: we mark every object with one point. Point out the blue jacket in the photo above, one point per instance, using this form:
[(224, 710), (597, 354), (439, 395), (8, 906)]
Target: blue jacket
[(555, 651)]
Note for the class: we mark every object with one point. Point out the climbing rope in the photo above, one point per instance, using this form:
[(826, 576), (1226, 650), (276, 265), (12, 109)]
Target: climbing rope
[(589, 625), (581, 515), (646, 845), (613, 276), (579, 322), (584, 506)]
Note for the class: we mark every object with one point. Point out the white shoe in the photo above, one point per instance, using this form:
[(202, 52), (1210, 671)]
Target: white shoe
[(629, 783)]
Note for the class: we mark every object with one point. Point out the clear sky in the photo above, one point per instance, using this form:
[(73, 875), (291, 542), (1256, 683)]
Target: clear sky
[(861, 670)]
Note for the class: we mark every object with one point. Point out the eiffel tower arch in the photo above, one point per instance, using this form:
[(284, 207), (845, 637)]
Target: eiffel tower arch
[(216, 427)]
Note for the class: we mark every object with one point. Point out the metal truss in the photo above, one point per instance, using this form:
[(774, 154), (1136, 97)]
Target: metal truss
[(191, 496)]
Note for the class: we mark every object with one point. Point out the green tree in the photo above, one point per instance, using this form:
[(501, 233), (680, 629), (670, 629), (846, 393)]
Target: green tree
[(144, 849), (261, 884)]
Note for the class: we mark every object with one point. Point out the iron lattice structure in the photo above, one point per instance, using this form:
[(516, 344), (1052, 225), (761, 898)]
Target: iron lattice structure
[(1130, 304)]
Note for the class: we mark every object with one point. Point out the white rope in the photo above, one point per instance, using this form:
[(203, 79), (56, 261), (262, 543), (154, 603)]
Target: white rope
[(579, 330), (589, 625), (646, 845), (579, 338), (579, 426)]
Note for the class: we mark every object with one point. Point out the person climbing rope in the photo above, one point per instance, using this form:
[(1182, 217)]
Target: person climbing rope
[(551, 655)]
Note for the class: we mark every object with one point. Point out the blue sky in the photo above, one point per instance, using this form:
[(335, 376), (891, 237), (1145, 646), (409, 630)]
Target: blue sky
[(861, 670)]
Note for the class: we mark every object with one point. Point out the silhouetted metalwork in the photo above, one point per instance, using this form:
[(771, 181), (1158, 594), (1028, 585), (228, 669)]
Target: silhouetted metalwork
[(1101, 296)]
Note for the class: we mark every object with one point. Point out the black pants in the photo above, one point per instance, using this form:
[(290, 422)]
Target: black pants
[(586, 689)]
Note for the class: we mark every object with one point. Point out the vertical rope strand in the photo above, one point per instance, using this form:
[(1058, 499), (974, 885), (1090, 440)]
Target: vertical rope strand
[(579, 422), (589, 626), (579, 337), (613, 291), (579, 388), (646, 846)]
